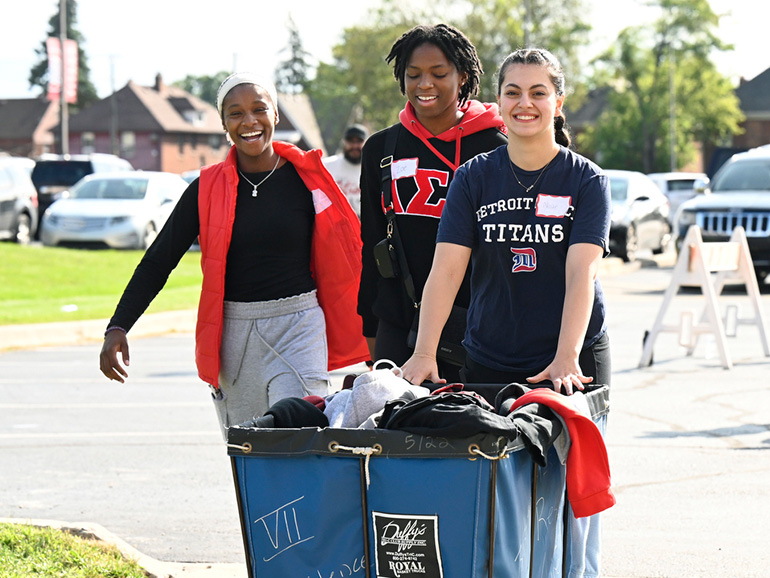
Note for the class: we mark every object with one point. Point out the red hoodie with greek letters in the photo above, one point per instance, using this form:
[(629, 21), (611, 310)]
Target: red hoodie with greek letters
[(423, 167)]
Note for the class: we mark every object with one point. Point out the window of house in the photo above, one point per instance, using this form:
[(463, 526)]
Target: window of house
[(216, 141), (87, 140), (127, 144)]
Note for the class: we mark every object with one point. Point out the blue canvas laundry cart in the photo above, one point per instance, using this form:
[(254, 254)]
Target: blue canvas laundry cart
[(332, 503)]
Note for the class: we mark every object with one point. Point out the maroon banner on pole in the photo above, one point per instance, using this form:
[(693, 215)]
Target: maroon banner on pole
[(70, 71), (54, 68), (69, 64)]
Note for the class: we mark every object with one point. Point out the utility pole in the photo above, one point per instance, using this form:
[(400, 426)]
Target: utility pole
[(671, 112), (114, 148), (64, 111), (527, 23)]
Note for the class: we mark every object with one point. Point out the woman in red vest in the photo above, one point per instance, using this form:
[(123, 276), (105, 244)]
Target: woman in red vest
[(281, 261)]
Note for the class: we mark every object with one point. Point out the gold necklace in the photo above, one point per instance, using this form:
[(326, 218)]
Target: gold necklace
[(254, 192), (530, 187)]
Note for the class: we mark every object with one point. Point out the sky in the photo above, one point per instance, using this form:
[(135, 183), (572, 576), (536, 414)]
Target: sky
[(176, 38)]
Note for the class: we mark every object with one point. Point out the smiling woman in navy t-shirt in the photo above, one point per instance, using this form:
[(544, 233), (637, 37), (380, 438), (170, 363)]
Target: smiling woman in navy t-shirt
[(533, 217)]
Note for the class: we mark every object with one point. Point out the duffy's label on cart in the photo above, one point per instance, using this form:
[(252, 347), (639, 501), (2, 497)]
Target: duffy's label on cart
[(406, 546)]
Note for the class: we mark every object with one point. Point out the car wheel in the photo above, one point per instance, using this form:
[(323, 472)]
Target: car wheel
[(628, 250), (149, 236), (665, 240), (23, 233)]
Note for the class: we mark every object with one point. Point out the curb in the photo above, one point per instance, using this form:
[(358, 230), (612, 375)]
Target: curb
[(154, 568), (91, 331)]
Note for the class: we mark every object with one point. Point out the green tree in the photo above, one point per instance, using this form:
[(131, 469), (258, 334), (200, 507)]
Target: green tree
[(359, 79), (291, 75), (38, 75), (658, 74), (358, 86), (498, 27), (204, 87)]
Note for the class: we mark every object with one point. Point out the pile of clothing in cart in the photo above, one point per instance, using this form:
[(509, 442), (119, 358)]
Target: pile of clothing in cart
[(538, 417)]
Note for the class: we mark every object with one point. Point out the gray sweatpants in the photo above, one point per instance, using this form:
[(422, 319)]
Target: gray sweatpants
[(270, 350)]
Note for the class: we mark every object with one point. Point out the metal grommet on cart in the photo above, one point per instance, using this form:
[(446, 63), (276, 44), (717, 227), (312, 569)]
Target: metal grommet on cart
[(245, 448), (368, 452), (475, 450)]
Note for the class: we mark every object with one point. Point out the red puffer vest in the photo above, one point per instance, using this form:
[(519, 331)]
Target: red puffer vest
[(335, 259)]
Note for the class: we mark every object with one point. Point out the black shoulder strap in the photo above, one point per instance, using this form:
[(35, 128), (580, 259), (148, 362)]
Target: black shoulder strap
[(391, 136)]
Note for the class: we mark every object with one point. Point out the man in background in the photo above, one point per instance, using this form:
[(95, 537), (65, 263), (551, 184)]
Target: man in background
[(346, 167)]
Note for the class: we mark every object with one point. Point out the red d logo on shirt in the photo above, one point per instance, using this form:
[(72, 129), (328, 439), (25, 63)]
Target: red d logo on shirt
[(524, 260)]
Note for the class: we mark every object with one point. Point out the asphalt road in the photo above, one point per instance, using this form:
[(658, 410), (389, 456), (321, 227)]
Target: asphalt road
[(689, 445)]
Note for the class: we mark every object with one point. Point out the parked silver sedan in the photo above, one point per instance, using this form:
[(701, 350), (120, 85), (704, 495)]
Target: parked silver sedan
[(121, 210), (640, 213)]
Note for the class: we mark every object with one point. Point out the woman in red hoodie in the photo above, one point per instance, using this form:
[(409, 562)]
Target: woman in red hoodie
[(439, 129)]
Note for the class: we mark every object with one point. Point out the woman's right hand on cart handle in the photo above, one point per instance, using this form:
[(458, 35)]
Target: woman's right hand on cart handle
[(115, 342), (421, 367)]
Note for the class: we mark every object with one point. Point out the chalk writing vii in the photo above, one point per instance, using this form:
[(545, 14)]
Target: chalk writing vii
[(282, 529)]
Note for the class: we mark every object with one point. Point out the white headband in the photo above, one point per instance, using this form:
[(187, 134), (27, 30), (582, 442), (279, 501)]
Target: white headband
[(244, 78)]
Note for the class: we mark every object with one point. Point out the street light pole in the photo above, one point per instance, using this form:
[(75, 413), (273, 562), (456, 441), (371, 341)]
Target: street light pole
[(64, 111)]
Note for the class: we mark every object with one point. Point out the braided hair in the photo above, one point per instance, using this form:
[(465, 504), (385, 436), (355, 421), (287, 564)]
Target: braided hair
[(541, 57), (453, 43)]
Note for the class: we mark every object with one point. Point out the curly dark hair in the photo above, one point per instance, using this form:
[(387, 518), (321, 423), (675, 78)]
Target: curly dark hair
[(453, 43)]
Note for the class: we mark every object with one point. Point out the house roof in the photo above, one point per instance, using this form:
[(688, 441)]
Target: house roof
[(170, 109), (298, 111), (161, 108), (590, 110), (21, 118), (753, 95)]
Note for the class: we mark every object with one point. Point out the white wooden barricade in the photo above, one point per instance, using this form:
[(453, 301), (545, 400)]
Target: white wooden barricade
[(731, 261)]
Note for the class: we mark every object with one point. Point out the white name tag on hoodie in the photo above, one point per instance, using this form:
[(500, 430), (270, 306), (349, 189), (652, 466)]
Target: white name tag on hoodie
[(403, 168)]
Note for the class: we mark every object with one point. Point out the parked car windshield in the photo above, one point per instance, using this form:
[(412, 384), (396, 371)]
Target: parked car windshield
[(681, 185), (748, 175), (618, 189), (59, 173), (110, 189)]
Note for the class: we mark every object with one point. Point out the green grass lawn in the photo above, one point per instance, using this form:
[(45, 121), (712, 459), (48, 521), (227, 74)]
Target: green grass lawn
[(50, 553), (44, 284)]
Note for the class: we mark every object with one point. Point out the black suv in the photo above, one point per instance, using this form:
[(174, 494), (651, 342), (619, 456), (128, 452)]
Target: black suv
[(739, 194), (54, 174)]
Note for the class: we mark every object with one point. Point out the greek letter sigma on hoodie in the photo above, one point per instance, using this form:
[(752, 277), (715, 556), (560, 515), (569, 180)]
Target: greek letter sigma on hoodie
[(422, 169)]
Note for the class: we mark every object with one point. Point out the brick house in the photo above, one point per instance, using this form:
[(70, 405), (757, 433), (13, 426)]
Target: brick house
[(158, 128), (26, 126), (167, 129), (754, 96)]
